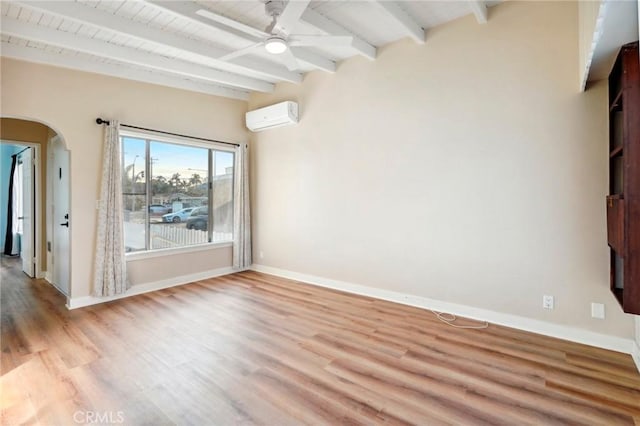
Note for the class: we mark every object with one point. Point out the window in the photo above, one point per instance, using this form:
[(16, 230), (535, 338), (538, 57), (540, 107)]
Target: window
[(175, 194)]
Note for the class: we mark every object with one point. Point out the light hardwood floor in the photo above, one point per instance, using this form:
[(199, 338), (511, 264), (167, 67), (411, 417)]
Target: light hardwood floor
[(250, 348)]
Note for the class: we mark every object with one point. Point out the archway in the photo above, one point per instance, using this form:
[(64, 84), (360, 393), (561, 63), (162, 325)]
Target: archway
[(51, 243)]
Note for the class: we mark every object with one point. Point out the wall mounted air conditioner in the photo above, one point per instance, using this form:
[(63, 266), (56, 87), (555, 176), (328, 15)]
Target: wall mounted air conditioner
[(281, 114)]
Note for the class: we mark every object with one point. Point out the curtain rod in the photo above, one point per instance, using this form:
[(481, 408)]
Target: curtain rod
[(101, 121), (18, 153)]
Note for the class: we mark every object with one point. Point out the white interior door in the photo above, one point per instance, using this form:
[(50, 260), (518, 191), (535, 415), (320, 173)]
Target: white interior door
[(61, 220), (27, 238)]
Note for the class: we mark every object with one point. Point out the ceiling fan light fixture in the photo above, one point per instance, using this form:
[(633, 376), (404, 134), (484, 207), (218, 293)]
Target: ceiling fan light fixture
[(275, 45)]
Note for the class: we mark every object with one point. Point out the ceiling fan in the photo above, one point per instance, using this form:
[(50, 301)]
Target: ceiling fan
[(277, 38)]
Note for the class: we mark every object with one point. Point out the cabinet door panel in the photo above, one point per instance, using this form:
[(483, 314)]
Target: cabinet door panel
[(615, 224)]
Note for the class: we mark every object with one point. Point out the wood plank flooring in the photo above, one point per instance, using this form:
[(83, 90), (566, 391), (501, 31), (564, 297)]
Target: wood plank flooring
[(250, 348)]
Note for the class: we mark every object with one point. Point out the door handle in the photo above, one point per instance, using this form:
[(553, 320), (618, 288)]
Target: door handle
[(65, 224), (20, 217)]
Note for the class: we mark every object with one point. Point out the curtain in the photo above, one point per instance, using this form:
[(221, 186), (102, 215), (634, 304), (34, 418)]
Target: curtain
[(18, 208), (11, 238), (110, 265), (241, 216)]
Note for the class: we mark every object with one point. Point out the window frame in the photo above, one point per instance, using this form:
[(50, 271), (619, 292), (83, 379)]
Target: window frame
[(211, 147)]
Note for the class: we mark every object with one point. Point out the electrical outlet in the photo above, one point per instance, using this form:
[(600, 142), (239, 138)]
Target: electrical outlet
[(547, 302), (597, 310)]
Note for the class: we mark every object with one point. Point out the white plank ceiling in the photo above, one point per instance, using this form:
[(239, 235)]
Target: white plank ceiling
[(184, 44)]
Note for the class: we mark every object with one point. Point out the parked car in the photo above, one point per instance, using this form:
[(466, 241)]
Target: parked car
[(159, 209), (178, 216), (199, 219)]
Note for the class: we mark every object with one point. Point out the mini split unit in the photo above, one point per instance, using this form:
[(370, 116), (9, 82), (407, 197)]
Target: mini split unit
[(277, 115)]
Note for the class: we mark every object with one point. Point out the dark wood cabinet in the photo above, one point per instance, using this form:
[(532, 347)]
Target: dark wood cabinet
[(623, 202)]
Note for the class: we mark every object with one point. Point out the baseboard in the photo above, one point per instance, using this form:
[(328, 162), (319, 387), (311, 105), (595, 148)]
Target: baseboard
[(635, 354), (79, 302), (522, 323)]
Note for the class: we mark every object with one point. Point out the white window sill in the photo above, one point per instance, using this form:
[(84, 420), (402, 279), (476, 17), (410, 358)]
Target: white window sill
[(173, 251)]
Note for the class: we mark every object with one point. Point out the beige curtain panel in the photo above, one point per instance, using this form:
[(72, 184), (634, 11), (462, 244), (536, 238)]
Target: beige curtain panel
[(110, 265), (241, 215)]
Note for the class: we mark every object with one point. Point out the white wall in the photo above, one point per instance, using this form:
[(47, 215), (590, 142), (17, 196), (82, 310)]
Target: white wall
[(6, 151), (70, 101), (468, 169)]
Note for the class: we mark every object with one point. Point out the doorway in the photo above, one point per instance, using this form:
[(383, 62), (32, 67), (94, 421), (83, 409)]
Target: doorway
[(51, 200), (21, 205)]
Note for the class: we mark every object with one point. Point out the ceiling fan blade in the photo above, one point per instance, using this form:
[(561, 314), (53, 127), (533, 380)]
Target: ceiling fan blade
[(291, 15), (289, 60), (239, 52), (309, 40), (232, 24)]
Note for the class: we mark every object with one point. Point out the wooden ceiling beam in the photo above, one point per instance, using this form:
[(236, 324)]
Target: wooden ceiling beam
[(316, 61), (189, 10), (291, 14), (192, 12), (479, 9), (403, 19), (77, 63), (50, 36), (327, 26), (204, 52)]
